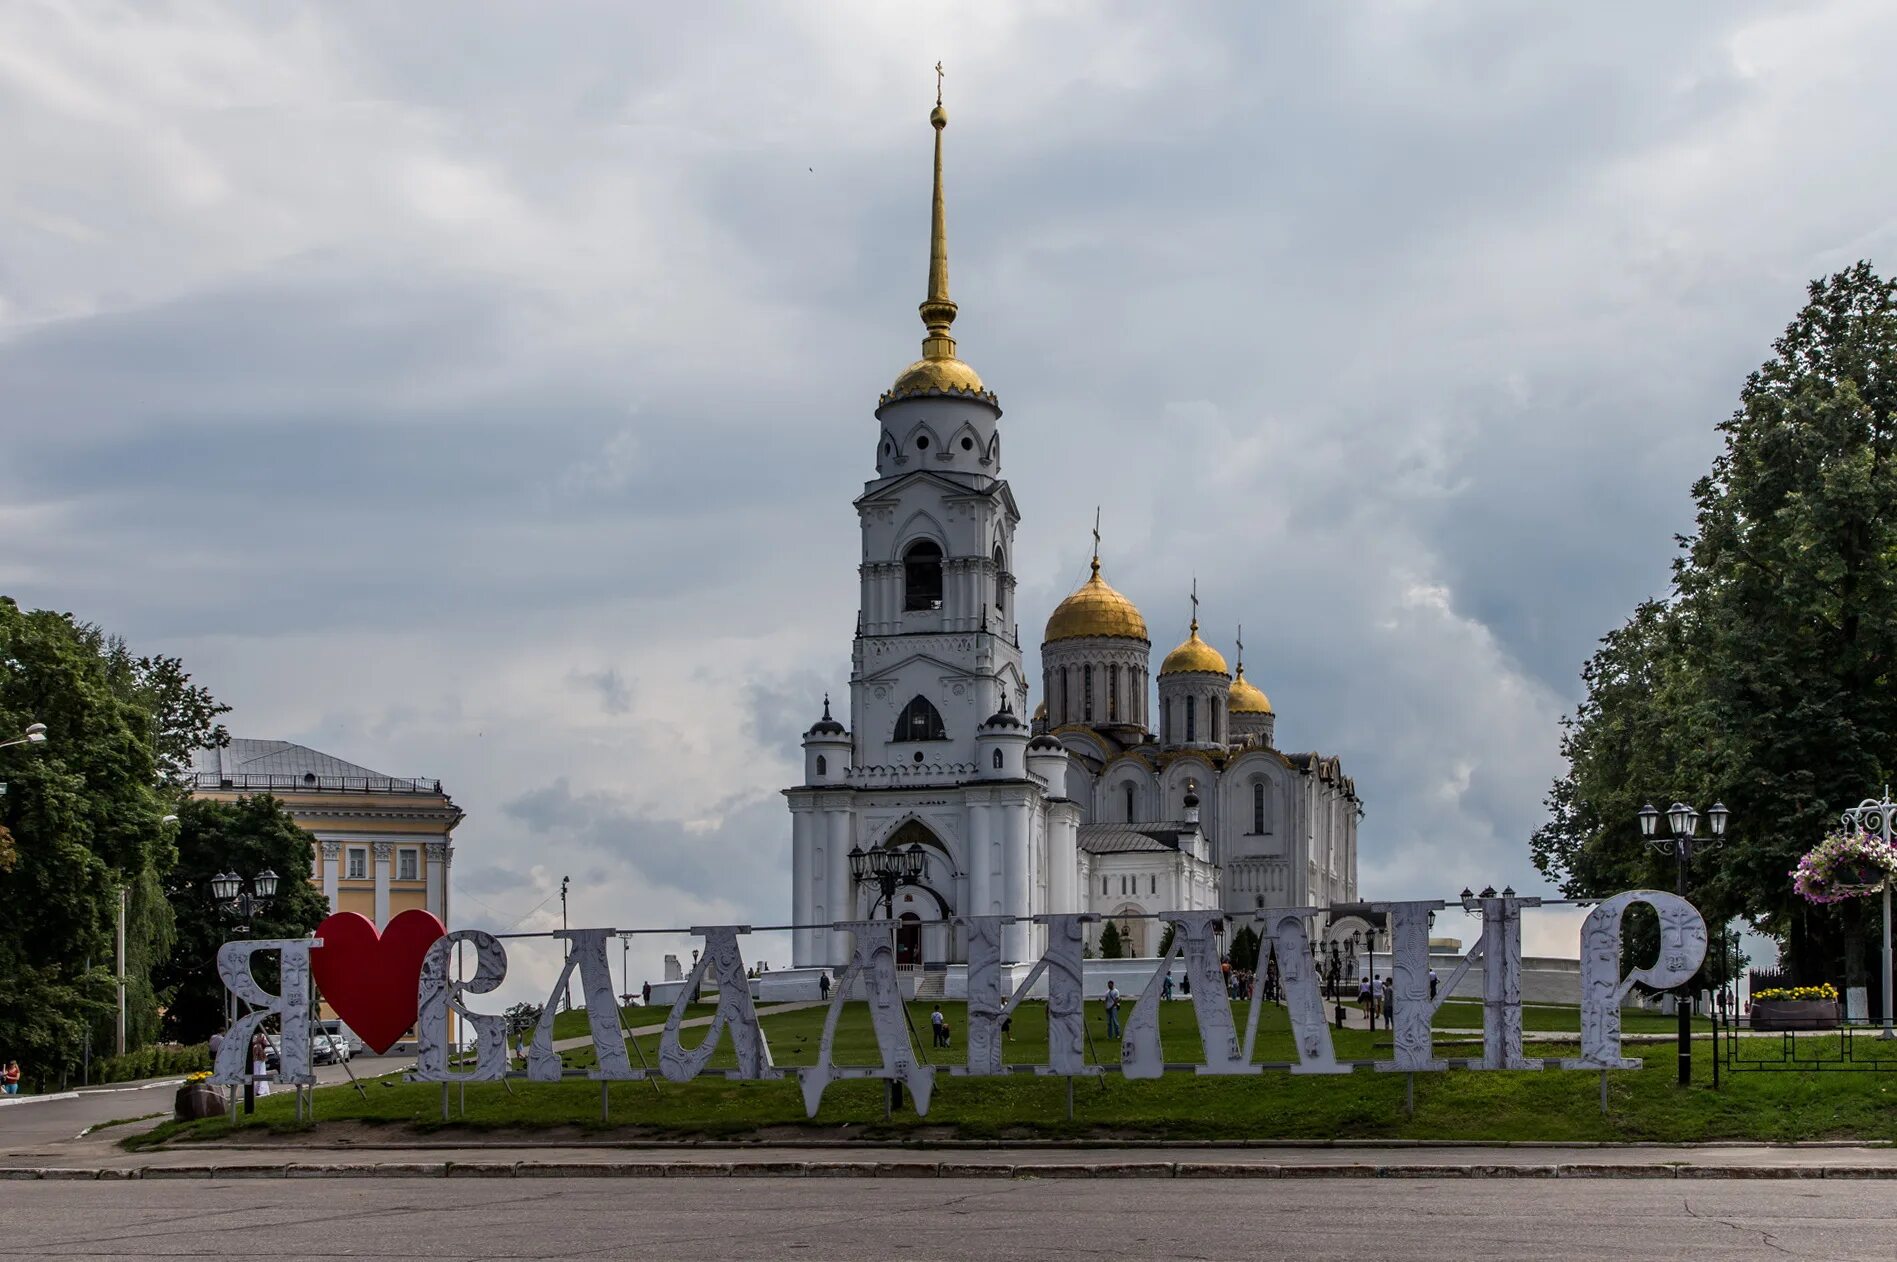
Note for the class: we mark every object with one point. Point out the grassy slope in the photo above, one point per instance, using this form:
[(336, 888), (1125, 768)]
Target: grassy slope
[(1551, 1105)]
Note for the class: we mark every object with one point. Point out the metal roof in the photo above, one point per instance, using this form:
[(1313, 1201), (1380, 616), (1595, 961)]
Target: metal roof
[(255, 764), (1127, 838)]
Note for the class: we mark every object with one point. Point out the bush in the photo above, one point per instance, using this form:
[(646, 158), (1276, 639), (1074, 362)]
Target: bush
[(157, 1061)]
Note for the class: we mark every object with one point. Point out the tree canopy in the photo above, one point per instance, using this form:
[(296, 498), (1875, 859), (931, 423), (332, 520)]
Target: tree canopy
[(1764, 679), (82, 818)]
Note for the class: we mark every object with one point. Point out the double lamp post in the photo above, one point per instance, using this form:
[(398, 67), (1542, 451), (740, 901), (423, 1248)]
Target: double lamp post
[(1683, 821)]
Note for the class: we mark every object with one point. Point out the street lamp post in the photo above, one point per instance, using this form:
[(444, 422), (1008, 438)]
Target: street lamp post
[(1873, 816), (35, 734), (243, 899), (1683, 821), (888, 870)]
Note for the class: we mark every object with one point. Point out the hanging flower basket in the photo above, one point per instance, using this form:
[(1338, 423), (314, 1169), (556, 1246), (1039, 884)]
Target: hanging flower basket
[(1844, 865)]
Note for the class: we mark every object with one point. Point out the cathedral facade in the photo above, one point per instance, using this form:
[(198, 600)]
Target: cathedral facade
[(1127, 794)]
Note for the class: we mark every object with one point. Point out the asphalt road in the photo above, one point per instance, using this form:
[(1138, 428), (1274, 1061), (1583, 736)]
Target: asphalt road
[(987, 1219), (35, 1127)]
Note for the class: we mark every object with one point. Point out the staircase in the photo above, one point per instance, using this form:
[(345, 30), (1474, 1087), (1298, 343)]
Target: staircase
[(932, 984)]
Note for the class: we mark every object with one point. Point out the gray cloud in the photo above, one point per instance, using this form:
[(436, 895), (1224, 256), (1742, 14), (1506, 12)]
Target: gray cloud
[(440, 382)]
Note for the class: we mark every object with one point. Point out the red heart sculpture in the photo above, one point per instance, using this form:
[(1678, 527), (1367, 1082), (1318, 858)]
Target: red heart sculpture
[(370, 978)]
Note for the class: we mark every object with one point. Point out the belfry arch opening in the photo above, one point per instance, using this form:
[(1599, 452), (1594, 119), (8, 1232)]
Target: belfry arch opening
[(920, 721), (922, 576)]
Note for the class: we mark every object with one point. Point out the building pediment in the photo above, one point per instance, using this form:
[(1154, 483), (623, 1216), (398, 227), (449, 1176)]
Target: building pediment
[(892, 491)]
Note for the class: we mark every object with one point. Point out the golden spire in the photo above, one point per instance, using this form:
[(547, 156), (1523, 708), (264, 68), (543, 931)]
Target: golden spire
[(938, 371), (938, 310)]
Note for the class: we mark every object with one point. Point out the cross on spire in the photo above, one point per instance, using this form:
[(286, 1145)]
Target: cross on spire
[(1195, 604), (1096, 541), (938, 85), (1241, 648)]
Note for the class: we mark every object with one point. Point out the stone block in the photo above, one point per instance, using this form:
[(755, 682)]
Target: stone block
[(974, 1170), (1225, 1170), (1611, 1170), (480, 1170)]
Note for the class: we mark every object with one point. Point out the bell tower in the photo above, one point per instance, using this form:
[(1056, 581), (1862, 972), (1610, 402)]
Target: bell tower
[(937, 647)]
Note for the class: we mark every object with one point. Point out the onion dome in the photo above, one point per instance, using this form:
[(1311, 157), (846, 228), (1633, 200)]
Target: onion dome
[(1004, 718), (1096, 609), (1195, 656), (939, 371), (826, 726), (1046, 743), (1246, 697), (1040, 713)]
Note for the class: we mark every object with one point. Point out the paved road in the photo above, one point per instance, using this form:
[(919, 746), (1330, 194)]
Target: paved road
[(43, 1127), (715, 1219)]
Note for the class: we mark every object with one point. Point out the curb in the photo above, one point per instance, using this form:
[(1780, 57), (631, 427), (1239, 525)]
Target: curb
[(945, 1170)]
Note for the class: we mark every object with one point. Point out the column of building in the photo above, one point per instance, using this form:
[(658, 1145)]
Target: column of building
[(332, 872), (384, 853)]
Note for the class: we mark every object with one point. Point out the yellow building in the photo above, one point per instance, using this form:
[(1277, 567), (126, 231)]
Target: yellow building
[(384, 843)]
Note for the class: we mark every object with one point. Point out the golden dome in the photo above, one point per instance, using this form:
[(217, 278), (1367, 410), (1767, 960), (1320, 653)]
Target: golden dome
[(1096, 609), (927, 376), (1194, 655), (1245, 697)]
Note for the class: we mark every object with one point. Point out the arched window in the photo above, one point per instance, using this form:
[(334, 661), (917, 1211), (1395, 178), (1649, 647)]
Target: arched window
[(1001, 584), (922, 576), (1103, 884), (1192, 719), (823, 766), (997, 760), (919, 721), (1258, 807), (1086, 690), (1129, 801)]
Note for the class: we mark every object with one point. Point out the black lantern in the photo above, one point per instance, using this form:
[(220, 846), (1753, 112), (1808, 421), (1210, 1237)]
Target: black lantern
[(224, 886)]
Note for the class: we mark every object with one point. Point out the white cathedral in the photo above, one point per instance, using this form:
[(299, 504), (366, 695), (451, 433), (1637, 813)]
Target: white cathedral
[(940, 774)]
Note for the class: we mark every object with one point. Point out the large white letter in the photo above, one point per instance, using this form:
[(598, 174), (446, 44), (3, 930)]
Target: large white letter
[(588, 955), (291, 1008), (872, 957), (734, 1013), (1066, 1013), (1413, 1009), (1288, 930), (1140, 1053), (1682, 948), (437, 993), (1501, 949)]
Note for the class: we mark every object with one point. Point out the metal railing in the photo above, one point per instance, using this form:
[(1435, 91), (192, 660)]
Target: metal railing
[(311, 783)]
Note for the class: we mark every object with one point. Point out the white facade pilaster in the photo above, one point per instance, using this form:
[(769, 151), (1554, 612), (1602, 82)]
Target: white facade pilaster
[(437, 875), (842, 903), (332, 872), (384, 855)]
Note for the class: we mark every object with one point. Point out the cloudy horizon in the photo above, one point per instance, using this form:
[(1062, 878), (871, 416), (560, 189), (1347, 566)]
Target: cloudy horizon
[(481, 394)]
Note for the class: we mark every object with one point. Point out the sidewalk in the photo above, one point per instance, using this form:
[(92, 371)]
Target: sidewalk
[(1341, 1159)]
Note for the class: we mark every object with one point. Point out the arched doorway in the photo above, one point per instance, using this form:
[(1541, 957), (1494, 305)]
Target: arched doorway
[(909, 940)]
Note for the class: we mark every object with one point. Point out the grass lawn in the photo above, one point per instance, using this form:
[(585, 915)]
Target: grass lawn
[(1466, 1014), (1458, 1104)]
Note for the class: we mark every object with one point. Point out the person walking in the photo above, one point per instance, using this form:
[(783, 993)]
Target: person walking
[(938, 1024), (1389, 1003), (645, 994), (823, 987), (1165, 988), (1432, 985), (1376, 1000), (1112, 1004), (10, 1078)]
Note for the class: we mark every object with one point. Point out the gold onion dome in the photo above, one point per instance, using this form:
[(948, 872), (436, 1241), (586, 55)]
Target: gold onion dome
[(1195, 655), (1245, 697), (1096, 609), (938, 371)]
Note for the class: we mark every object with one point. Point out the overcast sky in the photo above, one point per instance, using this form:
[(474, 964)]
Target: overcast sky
[(479, 391)]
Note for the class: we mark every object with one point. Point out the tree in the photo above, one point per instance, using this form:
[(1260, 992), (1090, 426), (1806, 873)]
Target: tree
[(1244, 952), (1111, 947), (1766, 679), (1165, 941), (82, 817), (246, 837)]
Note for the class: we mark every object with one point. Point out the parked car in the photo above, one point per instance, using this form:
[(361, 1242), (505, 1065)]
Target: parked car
[(343, 1035), (325, 1049)]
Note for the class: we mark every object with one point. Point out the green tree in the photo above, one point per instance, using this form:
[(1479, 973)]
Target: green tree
[(246, 837), (82, 821), (1111, 947), (1244, 952), (1766, 680), (1165, 941)]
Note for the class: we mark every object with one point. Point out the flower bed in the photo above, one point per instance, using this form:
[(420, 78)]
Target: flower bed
[(1796, 1008)]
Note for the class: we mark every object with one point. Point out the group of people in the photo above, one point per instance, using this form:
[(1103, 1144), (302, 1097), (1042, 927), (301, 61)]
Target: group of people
[(1376, 997)]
